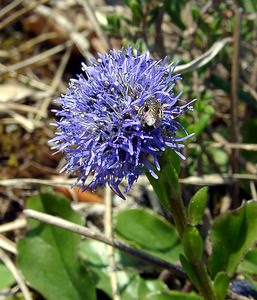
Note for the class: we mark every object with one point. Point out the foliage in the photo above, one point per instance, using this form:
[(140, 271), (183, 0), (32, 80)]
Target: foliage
[(58, 264), (57, 271)]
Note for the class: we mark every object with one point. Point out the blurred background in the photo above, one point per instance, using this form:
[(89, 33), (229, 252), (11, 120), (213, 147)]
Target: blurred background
[(42, 45)]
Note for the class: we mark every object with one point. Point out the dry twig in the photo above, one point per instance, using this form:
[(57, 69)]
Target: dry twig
[(9, 7), (36, 59), (59, 222), (234, 104), (16, 224), (76, 37), (108, 230), (42, 111), (204, 58), (16, 274), (7, 244), (91, 15), (16, 15)]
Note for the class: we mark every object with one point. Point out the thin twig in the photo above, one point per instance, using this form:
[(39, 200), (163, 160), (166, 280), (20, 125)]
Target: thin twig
[(56, 221), (16, 274), (76, 37), (9, 7), (26, 123), (250, 167), (37, 58), (216, 179), (18, 107), (213, 179), (21, 12), (253, 190), (42, 111), (108, 230), (14, 225), (203, 59), (244, 146), (37, 40), (234, 104), (234, 296), (7, 244), (91, 15), (25, 79)]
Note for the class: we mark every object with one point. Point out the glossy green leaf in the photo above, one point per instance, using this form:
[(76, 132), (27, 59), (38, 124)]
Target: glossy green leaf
[(232, 235), (197, 206), (221, 284), (6, 278), (48, 256), (148, 231), (173, 295), (192, 244)]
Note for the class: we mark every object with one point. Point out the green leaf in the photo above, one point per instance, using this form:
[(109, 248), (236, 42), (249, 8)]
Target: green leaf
[(249, 264), (166, 186), (48, 256), (221, 284), (173, 295), (148, 231), (131, 286), (136, 9), (197, 206), (189, 270), (17, 296), (6, 277), (232, 235), (149, 286), (192, 244)]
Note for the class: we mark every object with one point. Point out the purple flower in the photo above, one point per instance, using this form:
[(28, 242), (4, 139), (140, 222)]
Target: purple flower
[(117, 118)]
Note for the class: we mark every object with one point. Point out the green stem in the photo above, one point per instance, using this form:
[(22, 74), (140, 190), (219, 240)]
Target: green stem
[(179, 216), (178, 213), (206, 287)]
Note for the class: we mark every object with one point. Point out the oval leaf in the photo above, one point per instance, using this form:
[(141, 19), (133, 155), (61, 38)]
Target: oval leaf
[(221, 284), (148, 231), (232, 235), (192, 244), (48, 256), (197, 206)]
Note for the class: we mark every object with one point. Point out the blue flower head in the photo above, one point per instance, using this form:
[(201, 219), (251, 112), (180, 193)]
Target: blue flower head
[(117, 118)]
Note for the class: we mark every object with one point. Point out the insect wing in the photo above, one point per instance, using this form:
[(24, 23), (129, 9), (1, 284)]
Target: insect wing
[(150, 118)]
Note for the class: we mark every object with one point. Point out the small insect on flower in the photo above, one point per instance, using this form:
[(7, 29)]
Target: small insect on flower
[(151, 113), (117, 118)]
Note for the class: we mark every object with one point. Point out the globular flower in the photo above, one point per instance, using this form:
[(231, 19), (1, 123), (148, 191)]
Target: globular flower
[(117, 118)]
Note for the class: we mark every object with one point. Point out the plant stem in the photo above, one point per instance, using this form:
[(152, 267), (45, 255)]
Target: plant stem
[(205, 287), (178, 213), (179, 216)]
